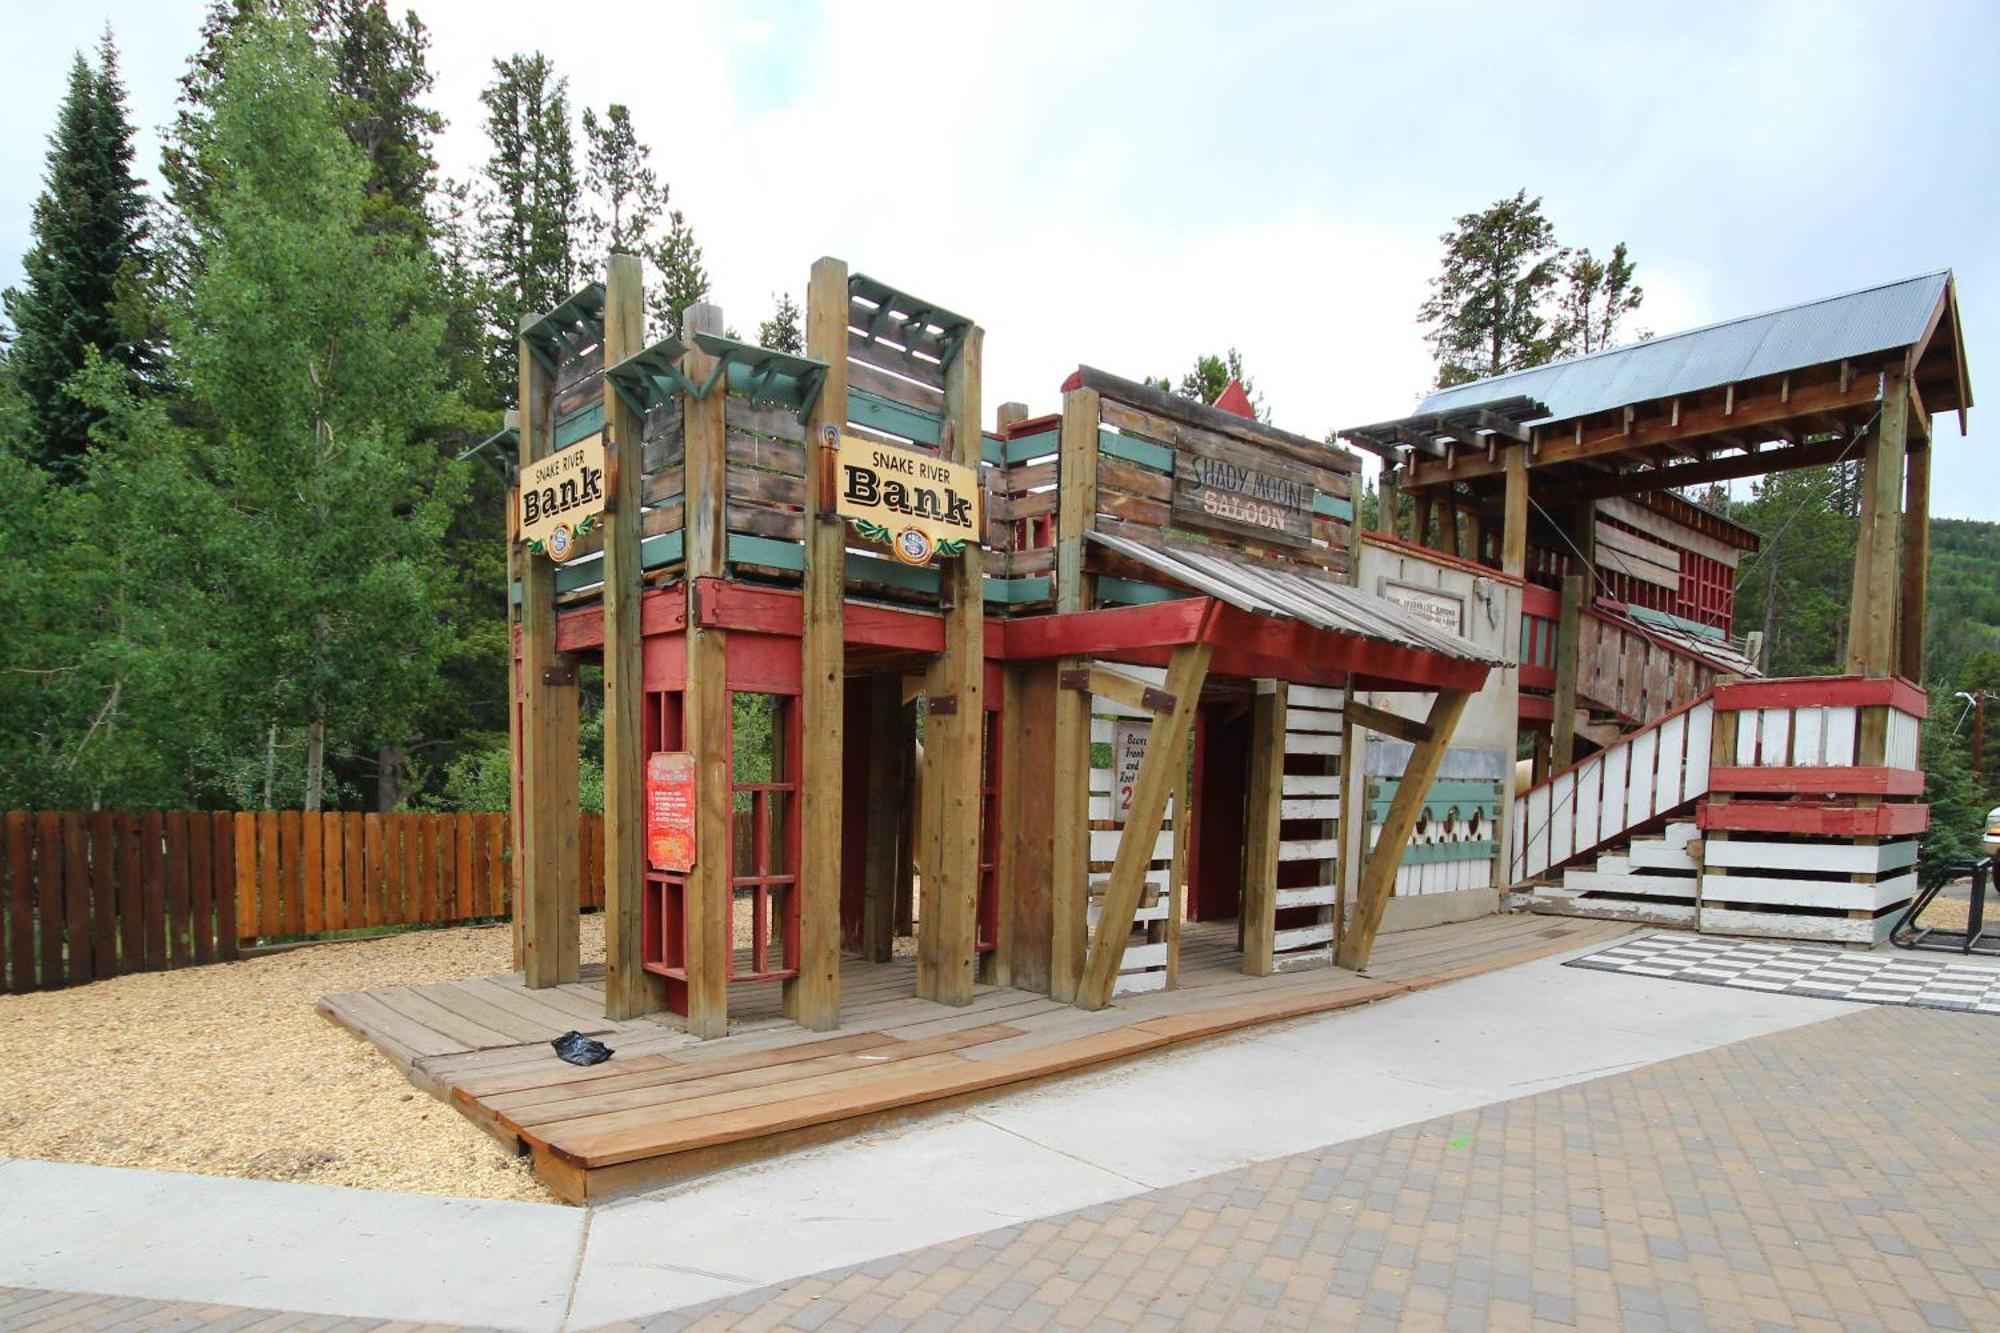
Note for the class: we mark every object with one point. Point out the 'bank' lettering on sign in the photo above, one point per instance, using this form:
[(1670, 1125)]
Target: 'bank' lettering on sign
[(916, 505)]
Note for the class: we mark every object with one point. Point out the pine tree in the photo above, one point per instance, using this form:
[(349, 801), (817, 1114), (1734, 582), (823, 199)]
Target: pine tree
[(782, 332), (1596, 297), (626, 194), (683, 280), (381, 75), (1209, 376), (529, 219), (88, 256), (1488, 302)]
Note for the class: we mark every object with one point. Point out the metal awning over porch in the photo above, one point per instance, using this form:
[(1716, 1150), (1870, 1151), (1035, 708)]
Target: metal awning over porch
[(1263, 620)]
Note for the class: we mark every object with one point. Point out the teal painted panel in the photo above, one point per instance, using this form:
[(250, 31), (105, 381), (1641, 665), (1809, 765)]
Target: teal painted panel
[(1135, 450), (1036, 588), (1446, 790), (581, 575), (1333, 506), (575, 426), (1430, 853), (892, 418), (1127, 592), (752, 550), (665, 549), (1032, 446)]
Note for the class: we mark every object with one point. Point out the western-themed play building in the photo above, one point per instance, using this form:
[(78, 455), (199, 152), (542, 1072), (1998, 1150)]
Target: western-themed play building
[(948, 749)]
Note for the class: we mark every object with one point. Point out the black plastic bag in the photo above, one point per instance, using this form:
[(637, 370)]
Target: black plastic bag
[(581, 1050)]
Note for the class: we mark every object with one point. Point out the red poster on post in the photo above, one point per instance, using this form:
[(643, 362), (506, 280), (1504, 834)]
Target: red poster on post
[(670, 811)]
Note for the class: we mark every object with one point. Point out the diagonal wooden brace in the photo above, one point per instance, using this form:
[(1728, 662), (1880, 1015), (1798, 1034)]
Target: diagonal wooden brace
[(1159, 775)]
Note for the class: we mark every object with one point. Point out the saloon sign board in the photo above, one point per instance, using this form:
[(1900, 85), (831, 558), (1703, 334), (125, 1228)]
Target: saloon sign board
[(561, 497), (1271, 502), (915, 504)]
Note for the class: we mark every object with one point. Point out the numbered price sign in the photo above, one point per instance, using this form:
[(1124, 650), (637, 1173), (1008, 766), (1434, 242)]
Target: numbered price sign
[(1128, 751), (670, 811)]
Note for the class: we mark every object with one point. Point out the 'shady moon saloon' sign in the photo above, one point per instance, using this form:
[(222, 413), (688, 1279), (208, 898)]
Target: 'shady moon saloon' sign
[(916, 505), (1270, 502), (561, 497)]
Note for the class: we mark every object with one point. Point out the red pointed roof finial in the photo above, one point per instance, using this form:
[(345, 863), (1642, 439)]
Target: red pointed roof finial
[(1234, 399)]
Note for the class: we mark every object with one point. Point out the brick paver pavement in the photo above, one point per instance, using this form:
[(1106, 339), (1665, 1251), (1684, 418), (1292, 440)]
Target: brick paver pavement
[(1845, 1175)]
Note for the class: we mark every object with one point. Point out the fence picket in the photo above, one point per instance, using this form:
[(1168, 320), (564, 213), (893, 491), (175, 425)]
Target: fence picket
[(152, 891), (76, 899), (312, 859), (19, 903), (201, 886), (225, 884), (104, 894), (174, 848)]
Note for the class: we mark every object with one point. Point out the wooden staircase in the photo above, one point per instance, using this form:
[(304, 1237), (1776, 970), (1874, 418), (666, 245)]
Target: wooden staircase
[(1653, 878)]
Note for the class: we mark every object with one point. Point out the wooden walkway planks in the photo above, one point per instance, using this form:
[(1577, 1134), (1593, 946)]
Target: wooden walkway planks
[(668, 1106)]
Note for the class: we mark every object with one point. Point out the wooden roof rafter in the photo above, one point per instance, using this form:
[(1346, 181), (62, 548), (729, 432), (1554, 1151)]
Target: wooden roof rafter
[(568, 331)]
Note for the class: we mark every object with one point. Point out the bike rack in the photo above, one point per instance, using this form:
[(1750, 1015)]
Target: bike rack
[(1974, 939)]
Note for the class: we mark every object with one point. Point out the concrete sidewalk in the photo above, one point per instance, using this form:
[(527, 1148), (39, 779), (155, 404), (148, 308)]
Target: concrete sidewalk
[(1266, 1094)]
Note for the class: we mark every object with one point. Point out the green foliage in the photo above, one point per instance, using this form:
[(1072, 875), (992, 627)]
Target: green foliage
[(783, 331), (1958, 800), (1209, 376), (381, 73), (1508, 295), (683, 279), (627, 192), (310, 341), (529, 232), (88, 254), (1796, 588)]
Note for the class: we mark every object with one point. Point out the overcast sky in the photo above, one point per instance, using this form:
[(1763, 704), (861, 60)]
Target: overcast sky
[(1130, 185)]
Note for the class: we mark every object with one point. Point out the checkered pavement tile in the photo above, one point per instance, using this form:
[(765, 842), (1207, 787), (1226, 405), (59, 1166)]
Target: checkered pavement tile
[(1798, 969)]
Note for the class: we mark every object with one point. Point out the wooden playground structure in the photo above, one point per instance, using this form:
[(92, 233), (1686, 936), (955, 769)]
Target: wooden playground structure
[(994, 750)]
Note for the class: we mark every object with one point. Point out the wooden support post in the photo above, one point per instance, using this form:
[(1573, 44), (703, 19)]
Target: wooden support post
[(1261, 817), (708, 898), (550, 818), (1514, 514), (813, 997), (1448, 513), (1388, 498), (1872, 615), (516, 858), (1069, 781), (888, 757), (1916, 563), (1423, 503), (629, 990), (909, 824), (1569, 643), (1159, 775), (1027, 757), (1378, 873), (1475, 533), (947, 920)]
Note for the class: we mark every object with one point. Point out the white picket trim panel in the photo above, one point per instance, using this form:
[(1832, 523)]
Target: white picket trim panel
[(1644, 775)]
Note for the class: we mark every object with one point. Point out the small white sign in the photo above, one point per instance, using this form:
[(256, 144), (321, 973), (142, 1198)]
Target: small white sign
[(1128, 751)]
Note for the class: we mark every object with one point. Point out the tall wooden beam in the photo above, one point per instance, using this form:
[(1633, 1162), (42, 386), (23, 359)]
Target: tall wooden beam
[(947, 918), (1378, 874), (1872, 616), (1388, 498), (1569, 644), (1916, 564), (1027, 756), (707, 897), (1069, 776), (516, 858), (1261, 819), (1159, 775), (1514, 513), (550, 819), (1422, 506), (813, 997), (629, 990)]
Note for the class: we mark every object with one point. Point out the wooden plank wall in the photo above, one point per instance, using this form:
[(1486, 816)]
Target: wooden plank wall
[(1135, 482), (89, 895)]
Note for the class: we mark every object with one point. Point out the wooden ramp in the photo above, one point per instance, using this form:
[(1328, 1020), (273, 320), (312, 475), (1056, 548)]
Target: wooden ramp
[(667, 1106)]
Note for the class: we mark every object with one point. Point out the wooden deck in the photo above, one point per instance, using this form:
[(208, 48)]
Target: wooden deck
[(667, 1106)]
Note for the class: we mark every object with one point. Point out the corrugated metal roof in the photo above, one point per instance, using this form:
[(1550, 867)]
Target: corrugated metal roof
[(1276, 590), (1874, 319)]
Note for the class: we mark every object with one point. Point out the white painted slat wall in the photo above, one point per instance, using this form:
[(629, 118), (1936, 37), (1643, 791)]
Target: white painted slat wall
[(1314, 719), (1143, 966)]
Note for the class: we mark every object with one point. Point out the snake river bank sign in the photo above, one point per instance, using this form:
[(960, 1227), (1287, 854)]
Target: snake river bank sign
[(916, 505), (1271, 502), (561, 497)]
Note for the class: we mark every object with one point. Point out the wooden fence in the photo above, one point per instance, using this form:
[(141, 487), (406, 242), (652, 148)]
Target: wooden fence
[(90, 895)]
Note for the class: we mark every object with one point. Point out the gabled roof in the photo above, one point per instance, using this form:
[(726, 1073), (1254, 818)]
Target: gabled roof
[(1836, 328)]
